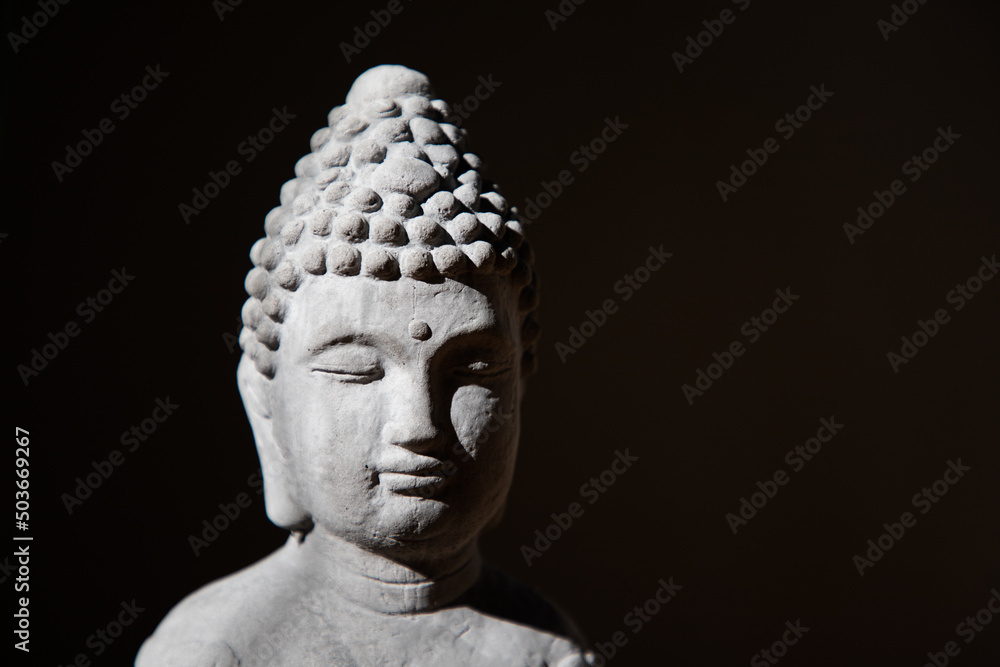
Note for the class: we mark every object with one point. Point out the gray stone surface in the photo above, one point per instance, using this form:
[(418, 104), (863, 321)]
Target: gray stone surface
[(387, 339)]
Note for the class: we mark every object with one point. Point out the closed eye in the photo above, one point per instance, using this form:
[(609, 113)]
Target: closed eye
[(482, 369), (348, 362), (352, 375)]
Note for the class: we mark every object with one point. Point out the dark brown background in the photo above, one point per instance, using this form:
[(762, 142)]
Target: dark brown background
[(655, 185)]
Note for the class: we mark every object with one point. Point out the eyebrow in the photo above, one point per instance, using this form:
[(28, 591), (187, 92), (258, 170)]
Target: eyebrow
[(492, 333), (324, 340)]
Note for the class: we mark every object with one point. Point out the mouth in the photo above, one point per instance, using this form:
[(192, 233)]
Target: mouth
[(404, 472), (424, 483)]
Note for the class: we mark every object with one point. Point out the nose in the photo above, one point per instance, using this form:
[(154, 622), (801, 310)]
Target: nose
[(411, 422)]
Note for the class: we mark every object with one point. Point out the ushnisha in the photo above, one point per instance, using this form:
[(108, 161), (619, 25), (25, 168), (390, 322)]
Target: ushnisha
[(386, 343), (386, 192)]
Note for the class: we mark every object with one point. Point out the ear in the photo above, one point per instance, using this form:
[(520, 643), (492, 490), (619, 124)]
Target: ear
[(279, 490)]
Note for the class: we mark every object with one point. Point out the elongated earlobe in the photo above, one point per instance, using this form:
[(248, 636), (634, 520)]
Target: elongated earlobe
[(279, 493)]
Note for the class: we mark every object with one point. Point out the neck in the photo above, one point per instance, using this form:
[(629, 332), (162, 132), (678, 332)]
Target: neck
[(381, 584)]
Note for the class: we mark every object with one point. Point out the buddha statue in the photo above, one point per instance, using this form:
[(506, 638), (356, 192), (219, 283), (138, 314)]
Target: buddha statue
[(386, 344)]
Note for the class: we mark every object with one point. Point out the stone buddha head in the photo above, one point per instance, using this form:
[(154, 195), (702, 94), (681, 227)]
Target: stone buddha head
[(389, 330)]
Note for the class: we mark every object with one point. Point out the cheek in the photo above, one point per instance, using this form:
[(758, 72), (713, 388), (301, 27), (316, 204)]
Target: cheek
[(328, 433), (483, 420)]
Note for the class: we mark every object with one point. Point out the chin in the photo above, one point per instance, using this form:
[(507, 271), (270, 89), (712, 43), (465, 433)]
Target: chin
[(426, 528)]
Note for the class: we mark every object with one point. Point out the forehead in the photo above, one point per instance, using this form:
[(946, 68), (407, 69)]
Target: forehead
[(332, 308)]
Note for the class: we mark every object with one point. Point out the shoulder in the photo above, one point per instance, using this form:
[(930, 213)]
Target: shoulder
[(156, 653), (499, 595), (220, 623)]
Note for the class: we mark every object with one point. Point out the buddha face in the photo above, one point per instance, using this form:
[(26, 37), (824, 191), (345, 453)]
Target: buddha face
[(395, 407)]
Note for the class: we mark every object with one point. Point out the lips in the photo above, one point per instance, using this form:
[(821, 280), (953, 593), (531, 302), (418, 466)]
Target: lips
[(403, 471), (400, 481), (424, 485)]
